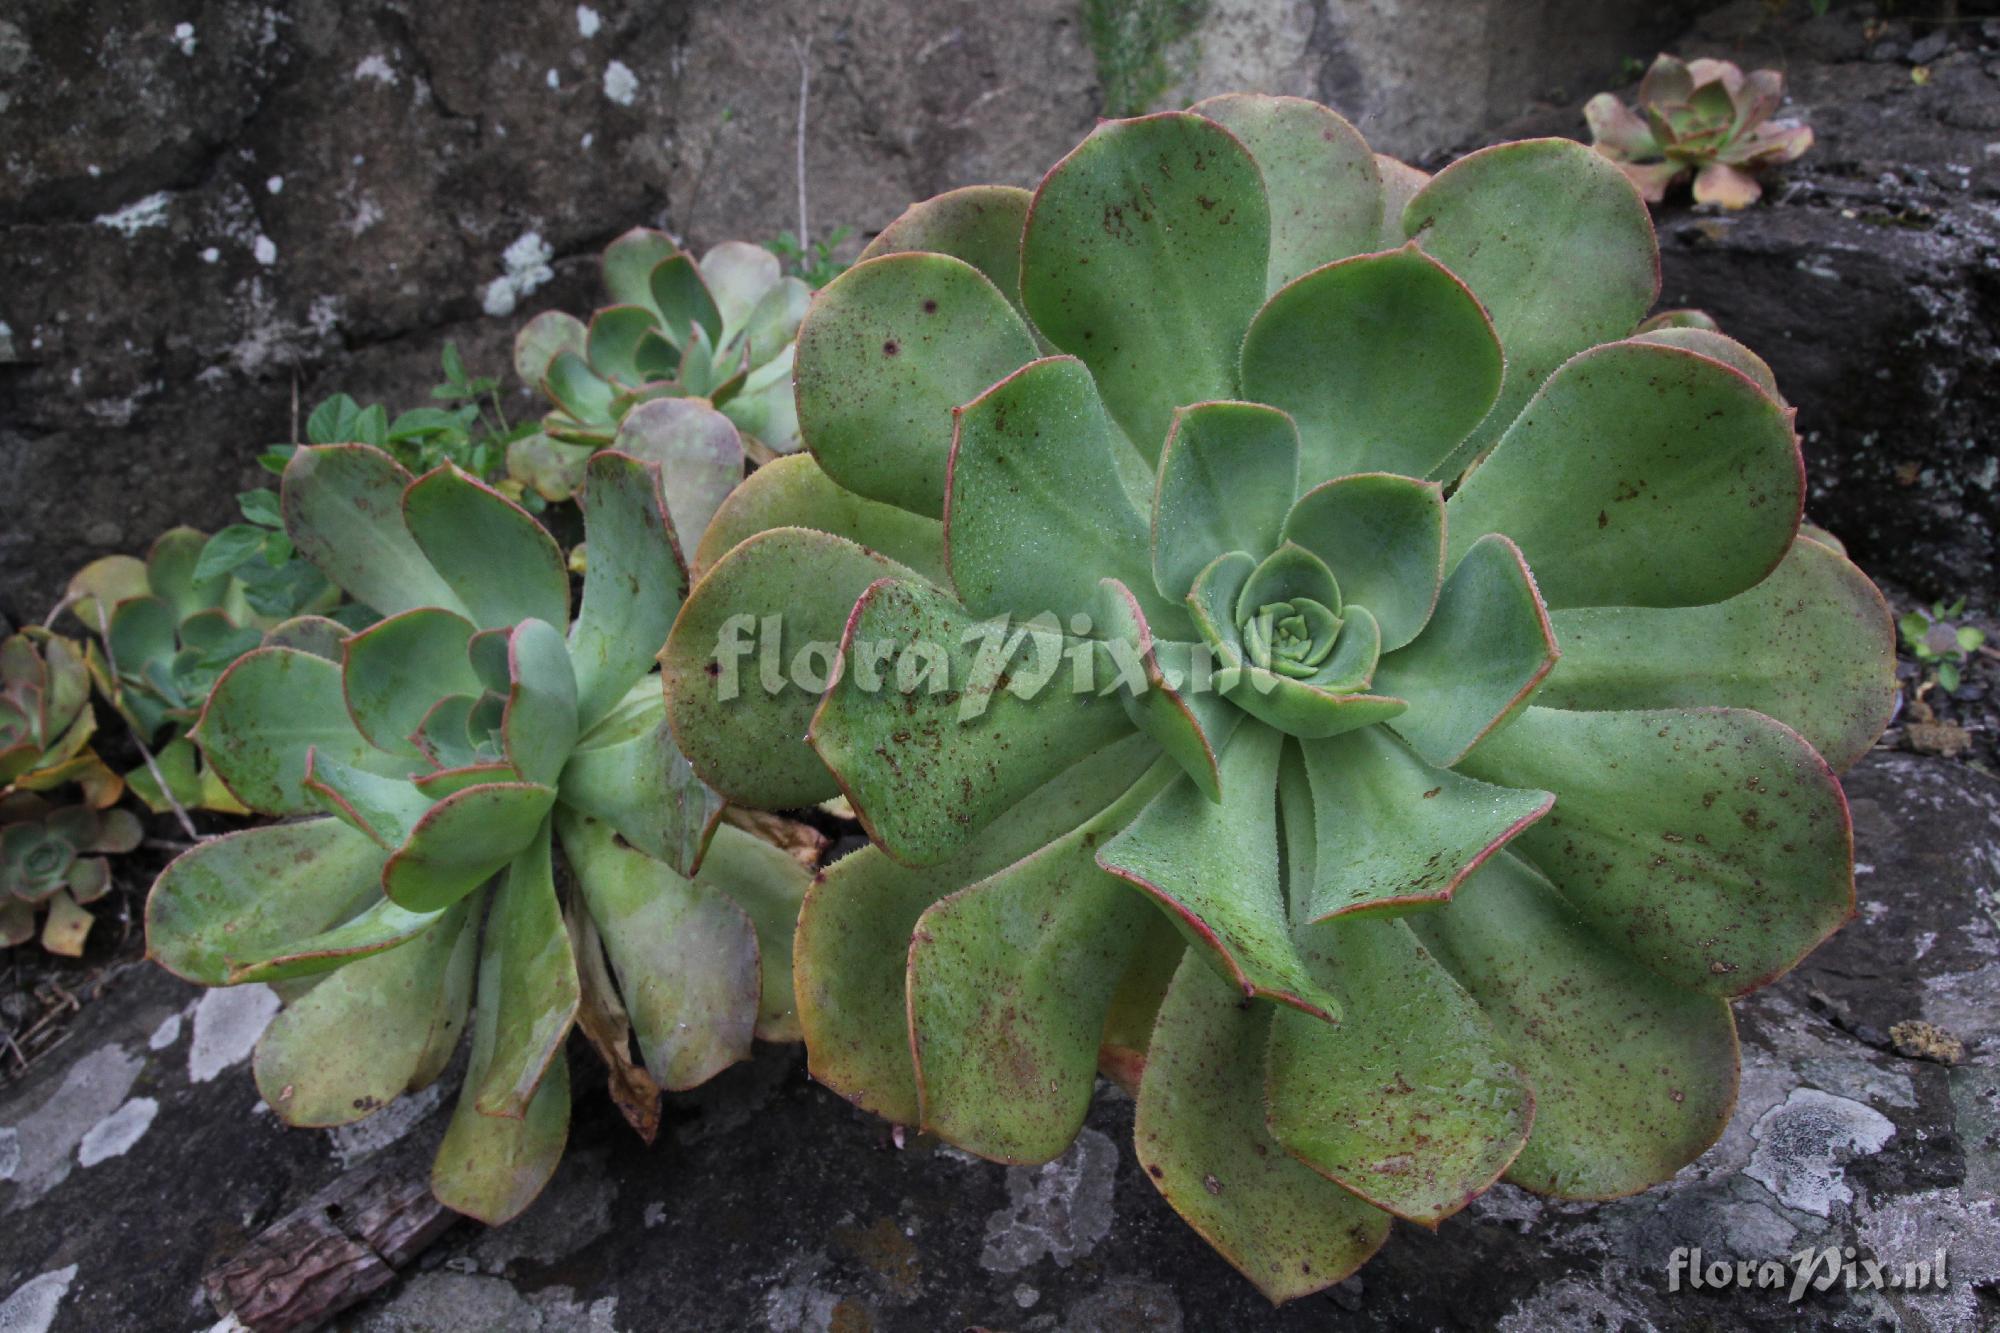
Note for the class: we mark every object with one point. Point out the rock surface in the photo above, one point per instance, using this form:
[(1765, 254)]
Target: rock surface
[(1869, 278), (769, 1204), (205, 205)]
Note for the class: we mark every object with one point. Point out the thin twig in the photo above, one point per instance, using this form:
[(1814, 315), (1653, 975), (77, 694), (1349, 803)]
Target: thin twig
[(145, 750), (69, 599), (803, 49)]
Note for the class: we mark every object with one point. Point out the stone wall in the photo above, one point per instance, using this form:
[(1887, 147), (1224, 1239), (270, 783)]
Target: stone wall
[(207, 206)]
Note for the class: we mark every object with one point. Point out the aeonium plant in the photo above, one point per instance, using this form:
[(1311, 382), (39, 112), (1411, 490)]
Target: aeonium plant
[(1704, 119), (1294, 645), (717, 331), (486, 818)]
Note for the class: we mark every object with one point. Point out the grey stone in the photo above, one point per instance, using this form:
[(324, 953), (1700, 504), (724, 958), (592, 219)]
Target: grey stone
[(205, 207), (770, 1204), (1866, 279)]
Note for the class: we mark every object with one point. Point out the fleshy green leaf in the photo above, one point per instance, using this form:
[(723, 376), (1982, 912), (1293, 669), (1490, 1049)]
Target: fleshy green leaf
[(1227, 477), (542, 339), (1383, 538), (1680, 482), (612, 343), (1211, 603), (740, 680), (1709, 343), (1039, 507), (319, 635), (466, 838), (491, 1167), (581, 392), (794, 493), (1633, 1077), (384, 809), (1445, 1113), (356, 1041), (1328, 704), (1214, 867), (504, 566), (768, 884), (100, 585), (888, 350), (699, 453), (1144, 255), (1393, 833), (630, 775), (398, 668), (1385, 361), (686, 956), (1401, 183), (634, 584), (251, 895), (171, 564), (381, 925), (855, 923), (1726, 814), (1201, 1135), (931, 735), (738, 274), (1324, 185), (682, 297), (1287, 573), (1557, 246), (980, 224), (539, 726), (1811, 646), (1478, 661), (266, 712), (1173, 704), (773, 324), (628, 265), (1009, 982), (343, 506), (528, 945)]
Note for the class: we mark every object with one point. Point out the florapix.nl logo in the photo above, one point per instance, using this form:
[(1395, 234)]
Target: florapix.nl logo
[(1021, 658), (1807, 1271)]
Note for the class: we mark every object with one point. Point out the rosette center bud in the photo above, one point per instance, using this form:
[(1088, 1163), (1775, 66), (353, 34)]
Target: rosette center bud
[(1288, 614)]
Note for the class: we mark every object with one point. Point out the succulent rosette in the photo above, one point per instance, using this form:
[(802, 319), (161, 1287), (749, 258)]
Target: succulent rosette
[(1298, 651), (46, 720), (492, 825), (170, 634), (54, 857), (719, 330), (1701, 118)]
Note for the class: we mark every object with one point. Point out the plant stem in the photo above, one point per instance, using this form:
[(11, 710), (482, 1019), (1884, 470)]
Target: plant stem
[(803, 48), (145, 750)]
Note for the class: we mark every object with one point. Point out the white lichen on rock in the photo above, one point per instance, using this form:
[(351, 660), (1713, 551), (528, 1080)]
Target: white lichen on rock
[(1802, 1142), (527, 265), (32, 1307), (378, 69), (1060, 1210), (138, 216), (166, 1034), (227, 1022), (114, 1135), (46, 1138), (621, 85), (368, 1136)]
